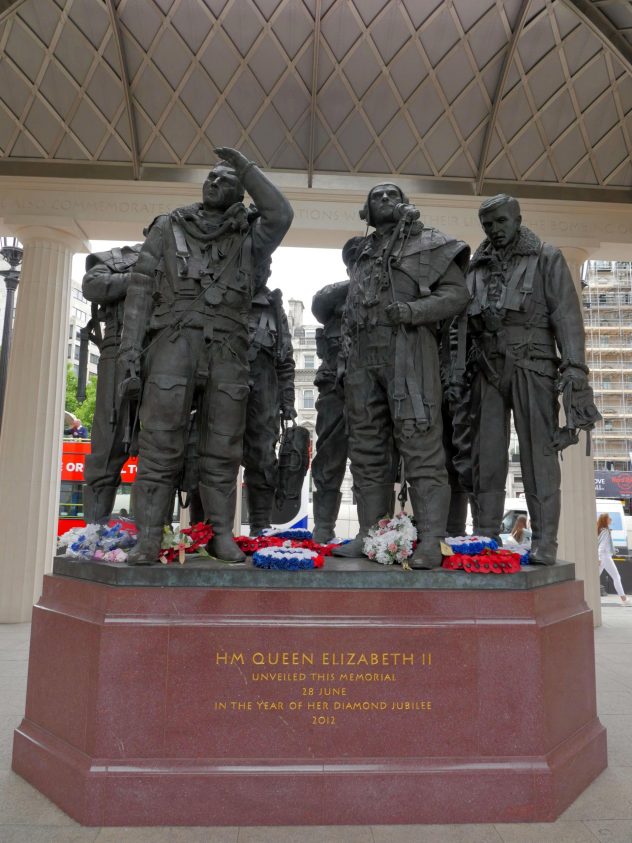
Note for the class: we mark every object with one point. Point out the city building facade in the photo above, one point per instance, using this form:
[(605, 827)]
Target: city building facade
[(607, 303), (78, 318)]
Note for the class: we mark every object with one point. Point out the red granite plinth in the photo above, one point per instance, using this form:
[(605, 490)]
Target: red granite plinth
[(228, 706)]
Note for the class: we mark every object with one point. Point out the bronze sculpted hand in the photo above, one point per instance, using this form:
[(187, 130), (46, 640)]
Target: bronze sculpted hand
[(399, 313), (233, 158), (128, 370), (454, 392), (574, 375)]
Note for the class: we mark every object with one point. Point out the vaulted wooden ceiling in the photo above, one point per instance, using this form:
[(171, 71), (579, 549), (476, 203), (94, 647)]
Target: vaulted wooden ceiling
[(464, 95)]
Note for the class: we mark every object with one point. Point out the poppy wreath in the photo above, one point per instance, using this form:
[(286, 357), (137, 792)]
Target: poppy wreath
[(488, 562)]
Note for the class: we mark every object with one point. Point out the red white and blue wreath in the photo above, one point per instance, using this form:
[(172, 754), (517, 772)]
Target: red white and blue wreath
[(287, 558), (292, 533)]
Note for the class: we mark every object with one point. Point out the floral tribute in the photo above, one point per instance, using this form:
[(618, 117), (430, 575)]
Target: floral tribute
[(112, 542), (287, 558), (488, 561), (391, 541), (471, 545), (109, 543), (293, 534), (251, 544), (285, 550), (187, 540)]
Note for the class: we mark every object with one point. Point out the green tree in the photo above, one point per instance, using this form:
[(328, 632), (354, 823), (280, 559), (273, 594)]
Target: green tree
[(71, 390), (85, 409)]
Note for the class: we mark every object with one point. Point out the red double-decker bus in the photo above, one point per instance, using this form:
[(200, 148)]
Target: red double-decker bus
[(71, 495)]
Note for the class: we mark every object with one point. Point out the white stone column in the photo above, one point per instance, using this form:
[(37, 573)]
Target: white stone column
[(32, 425), (577, 534)]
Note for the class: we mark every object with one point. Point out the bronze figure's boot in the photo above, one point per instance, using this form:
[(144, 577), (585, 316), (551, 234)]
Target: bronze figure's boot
[(326, 508), (219, 510), (544, 514), (490, 507), (260, 501), (430, 506), (373, 502), (98, 502), (457, 514), (152, 503)]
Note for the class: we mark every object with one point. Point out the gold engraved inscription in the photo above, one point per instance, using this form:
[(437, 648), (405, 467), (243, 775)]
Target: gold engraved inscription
[(340, 658), (348, 683)]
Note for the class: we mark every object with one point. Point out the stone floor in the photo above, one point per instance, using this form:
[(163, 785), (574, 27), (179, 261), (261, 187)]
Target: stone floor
[(602, 813)]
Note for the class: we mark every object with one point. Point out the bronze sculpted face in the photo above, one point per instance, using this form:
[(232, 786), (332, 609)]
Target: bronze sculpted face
[(382, 201), (221, 189), (501, 224)]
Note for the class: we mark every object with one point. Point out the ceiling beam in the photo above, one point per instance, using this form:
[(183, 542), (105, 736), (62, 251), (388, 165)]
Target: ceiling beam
[(8, 7), (127, 93), (498, 94), (312, 107), (605, 31)]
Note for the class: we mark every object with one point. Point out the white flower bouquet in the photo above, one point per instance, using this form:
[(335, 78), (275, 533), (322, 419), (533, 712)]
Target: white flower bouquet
[(391, 540)]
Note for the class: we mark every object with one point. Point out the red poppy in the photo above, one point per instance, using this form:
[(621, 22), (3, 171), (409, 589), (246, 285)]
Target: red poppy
[(454, 562)]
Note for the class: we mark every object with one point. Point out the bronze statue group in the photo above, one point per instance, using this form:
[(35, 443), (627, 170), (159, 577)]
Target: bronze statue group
[(425, 356)]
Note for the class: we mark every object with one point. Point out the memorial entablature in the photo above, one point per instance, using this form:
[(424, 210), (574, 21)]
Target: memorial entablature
[(324, 217)]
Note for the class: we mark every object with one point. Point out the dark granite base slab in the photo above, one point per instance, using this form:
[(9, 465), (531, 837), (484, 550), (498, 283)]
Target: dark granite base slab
[(337, 573)]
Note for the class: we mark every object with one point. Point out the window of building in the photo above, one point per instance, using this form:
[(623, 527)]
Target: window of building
[(309, 361), (76, 352), (94, 359), (310, 333), (308, 399)]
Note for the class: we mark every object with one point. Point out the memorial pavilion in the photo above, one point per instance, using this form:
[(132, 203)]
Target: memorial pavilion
[(109, 113)]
